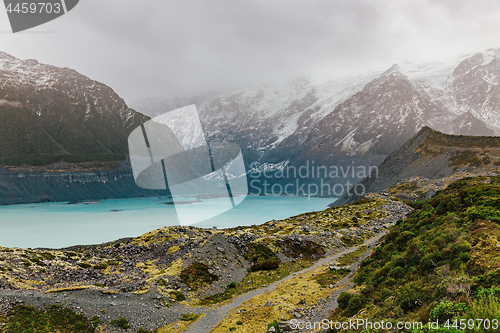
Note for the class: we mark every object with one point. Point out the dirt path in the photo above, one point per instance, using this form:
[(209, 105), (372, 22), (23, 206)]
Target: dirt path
[(345, 284), (213, 317)]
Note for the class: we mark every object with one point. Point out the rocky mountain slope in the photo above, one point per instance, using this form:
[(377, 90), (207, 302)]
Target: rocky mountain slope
[(432, 155), (442, 266), (69, 130), (188, 278), (58, 112)]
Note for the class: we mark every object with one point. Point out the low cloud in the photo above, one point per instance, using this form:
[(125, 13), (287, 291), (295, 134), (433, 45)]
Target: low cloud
[(186, 48)]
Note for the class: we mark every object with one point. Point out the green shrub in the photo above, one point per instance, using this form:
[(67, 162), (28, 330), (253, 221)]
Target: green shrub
[(356, 303), (343, 299), (120, 323), (464, 256), (263, 258), (95, 321), (463, 246), (84, 265), (268, 265), (276, 326), (189, 316), (412, 296), (487, 307), (232, 284), (47, 256), (483, 213), (397, 272), (447, 310), (485, 292), (177, 295), (430, 260), (403, 238)]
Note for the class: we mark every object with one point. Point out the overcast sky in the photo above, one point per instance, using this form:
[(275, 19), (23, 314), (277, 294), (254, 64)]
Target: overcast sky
[(162, 48)]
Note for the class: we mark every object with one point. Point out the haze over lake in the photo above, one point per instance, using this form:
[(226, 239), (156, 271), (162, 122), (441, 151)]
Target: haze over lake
[(55, 225)]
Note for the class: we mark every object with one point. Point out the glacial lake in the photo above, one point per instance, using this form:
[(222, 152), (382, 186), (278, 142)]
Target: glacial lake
[(56, 225)]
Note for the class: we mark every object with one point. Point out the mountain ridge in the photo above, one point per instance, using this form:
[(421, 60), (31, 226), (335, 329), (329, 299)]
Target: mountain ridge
[(432, 155), (52, 115)]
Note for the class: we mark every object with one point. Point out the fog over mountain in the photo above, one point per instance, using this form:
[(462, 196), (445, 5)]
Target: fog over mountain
[(364, 116)]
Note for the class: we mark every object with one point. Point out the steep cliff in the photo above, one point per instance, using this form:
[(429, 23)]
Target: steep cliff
[(18, 187)]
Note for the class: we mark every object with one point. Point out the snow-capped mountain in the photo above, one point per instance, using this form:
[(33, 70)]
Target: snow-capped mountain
[(52, 110), (343, 122), (49, 110), (476, 87), (369, 115)]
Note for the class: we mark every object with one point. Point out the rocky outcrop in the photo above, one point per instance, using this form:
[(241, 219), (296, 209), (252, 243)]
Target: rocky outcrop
[(19, 187)]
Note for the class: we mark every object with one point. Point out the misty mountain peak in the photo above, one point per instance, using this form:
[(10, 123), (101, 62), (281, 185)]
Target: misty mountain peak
[(393, 70)]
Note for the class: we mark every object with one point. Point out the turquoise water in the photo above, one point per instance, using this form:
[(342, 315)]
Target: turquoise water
[(56, 225)]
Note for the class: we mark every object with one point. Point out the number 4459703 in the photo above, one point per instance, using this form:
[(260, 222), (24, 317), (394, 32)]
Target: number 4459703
[(472, 324), (32, 8)]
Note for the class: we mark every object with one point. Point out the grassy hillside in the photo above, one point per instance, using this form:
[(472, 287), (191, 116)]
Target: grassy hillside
[(441, 263), (463, 141)]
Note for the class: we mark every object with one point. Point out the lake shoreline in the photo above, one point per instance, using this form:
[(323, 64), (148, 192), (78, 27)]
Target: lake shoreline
[(60, 225)]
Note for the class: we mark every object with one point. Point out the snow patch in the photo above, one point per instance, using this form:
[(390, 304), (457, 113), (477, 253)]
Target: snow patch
[(4, 102)]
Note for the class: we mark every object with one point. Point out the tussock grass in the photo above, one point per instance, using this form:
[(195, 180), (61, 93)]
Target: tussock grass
[(23, 319)]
